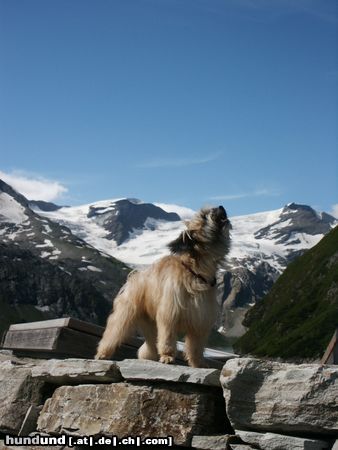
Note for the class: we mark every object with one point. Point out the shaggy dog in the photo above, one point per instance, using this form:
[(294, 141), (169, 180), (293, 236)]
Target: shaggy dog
[(175, 295)]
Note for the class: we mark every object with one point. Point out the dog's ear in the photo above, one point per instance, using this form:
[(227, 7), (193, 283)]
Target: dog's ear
[(183, 244)]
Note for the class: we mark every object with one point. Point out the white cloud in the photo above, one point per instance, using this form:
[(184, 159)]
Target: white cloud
[(178, 162), (257, 193), (34, 187), (334, 210)]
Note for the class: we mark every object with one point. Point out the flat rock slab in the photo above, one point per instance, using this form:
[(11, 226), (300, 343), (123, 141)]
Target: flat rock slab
[(272, 441), (123, 409), (77, 371), (7, 355), (138, 369), (280, 397), (216, 442), (18, 391)]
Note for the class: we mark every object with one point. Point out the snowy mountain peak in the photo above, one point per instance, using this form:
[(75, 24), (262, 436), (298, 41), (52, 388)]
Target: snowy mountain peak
[(294, 221), (7, 189), (14, 209), (122, 217)]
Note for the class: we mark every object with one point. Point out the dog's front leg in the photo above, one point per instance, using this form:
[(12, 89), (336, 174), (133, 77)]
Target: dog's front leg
[(194, 347), (166, 344)]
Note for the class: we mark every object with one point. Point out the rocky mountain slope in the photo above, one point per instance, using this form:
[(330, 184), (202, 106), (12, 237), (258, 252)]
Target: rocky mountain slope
[(299, 315), (263, 244), (48, 271)]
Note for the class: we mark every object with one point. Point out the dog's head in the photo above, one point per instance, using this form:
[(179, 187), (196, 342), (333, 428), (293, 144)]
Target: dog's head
[(207, 232)]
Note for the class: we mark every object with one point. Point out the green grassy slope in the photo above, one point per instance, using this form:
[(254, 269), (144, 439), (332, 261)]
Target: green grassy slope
[(299, 315)]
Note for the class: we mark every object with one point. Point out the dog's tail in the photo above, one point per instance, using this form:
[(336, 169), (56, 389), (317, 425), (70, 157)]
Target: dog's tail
[(121, 322)]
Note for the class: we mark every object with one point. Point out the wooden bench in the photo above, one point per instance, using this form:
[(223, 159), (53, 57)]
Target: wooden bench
[(73, 338)]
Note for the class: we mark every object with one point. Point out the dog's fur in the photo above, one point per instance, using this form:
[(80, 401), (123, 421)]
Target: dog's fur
[(175, 295)]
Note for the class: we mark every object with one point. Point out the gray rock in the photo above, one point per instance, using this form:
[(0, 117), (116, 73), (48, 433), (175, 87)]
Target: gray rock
[(7, 355), (18, 391), (123, 409), (217, 442), (272, 441), (77, 371), (138, 369), (335, 445), (283, 398)]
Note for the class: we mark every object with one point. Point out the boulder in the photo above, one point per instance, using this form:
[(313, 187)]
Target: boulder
[(77, 371), (272, 441), (123, 409), (140, 369), (18, 391), (282, 398)]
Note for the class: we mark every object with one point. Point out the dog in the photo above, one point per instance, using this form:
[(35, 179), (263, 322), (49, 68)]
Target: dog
[(176, 295)]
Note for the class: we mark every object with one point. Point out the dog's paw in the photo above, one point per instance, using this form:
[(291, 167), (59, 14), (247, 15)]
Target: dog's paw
[(101, 355), (167, 359)]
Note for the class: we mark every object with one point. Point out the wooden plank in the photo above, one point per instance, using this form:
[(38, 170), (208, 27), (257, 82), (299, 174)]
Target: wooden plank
[(53, 323), (68, 322), (331, 353), (76, 343), (44, 339), (86, 327)]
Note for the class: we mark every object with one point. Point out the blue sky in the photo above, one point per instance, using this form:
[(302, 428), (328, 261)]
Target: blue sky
[(178, 101)]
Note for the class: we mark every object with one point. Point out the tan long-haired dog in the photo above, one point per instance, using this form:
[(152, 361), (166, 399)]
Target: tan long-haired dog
[(175, 295)]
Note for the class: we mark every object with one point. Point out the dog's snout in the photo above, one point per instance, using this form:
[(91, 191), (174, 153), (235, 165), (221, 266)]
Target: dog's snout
[(222, 211), (220, 216)]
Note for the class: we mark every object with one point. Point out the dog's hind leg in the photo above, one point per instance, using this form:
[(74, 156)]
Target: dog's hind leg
[(194, 347), (148, 349), (120, 324)]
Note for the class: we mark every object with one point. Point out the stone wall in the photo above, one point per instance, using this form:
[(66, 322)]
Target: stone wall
[(249, 404)]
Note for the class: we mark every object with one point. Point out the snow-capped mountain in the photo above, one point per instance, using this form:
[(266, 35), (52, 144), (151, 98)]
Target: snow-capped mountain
[(82, 243), (139, 239), (262, 244), (55, 271), (128, 229)]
